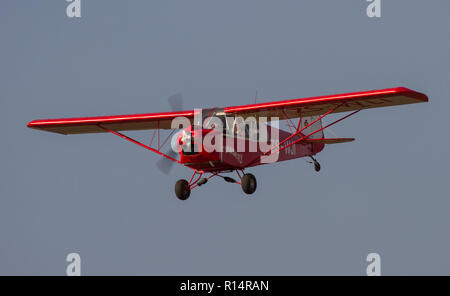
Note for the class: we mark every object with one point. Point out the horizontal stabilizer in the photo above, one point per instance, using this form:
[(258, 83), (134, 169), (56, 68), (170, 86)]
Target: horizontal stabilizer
[(330, 140)]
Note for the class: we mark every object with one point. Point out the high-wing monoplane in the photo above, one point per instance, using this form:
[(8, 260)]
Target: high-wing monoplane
[(216, 141)]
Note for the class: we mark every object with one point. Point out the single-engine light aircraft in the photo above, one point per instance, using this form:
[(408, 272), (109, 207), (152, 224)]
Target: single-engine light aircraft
[(216, 141)]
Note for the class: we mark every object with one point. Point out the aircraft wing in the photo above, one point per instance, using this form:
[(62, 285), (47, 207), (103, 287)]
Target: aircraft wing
[(84, 125), (282, 109), (320, 105)]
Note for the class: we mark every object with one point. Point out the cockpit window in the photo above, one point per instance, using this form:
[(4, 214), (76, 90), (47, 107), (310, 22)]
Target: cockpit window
[(218, 113), (231, 130)]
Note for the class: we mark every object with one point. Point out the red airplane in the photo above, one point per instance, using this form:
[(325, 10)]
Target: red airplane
[(305, 137)]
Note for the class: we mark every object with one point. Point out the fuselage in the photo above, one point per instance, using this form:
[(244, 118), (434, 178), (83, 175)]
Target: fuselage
[(237, 151)]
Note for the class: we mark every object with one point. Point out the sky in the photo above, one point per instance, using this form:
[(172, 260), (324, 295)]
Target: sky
[(104, 198)]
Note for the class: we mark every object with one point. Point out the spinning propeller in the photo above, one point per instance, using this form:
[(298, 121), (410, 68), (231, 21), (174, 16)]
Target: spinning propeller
[(165, 165)]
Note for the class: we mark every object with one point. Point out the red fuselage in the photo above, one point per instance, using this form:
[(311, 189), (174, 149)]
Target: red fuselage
[(223, 160)]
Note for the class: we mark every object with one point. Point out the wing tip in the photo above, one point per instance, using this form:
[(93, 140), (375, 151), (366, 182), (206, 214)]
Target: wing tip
[(415, 94), (31, 124), (35, 125)]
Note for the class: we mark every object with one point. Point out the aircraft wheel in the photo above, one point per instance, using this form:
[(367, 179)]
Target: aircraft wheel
[(248, 183), (316, 166), (182, 190)]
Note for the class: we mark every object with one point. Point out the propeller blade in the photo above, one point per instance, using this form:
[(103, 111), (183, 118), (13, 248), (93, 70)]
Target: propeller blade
[(165, 165)]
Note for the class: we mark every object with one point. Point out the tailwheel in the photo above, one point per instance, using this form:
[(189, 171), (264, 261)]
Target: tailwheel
[(316, 166), (182, 189), (248, 183)]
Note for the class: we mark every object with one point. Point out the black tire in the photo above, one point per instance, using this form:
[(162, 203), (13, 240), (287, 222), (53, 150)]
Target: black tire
[(248, 183), (182, 190)]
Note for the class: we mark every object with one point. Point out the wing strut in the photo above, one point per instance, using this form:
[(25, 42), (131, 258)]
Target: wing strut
[(302, 138), (139, 143), (298, 132), (321, 129)]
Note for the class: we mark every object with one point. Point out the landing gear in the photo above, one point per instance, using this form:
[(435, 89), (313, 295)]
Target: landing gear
[(202, 181), (248, 183), (316, 166), (182, 189)]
